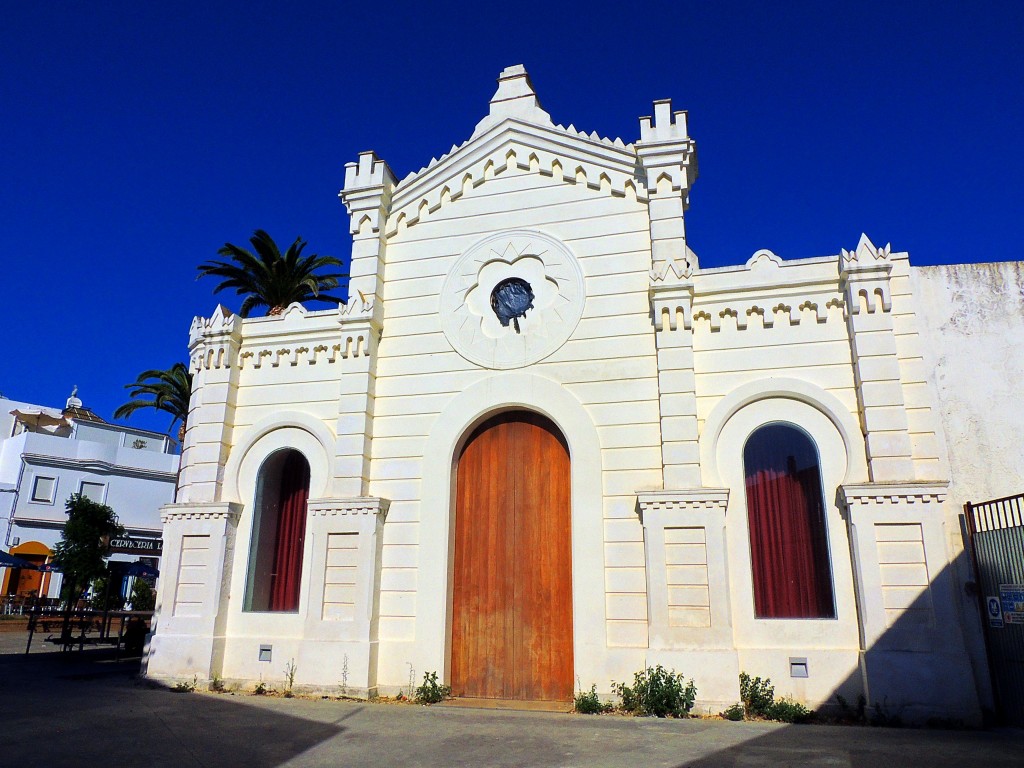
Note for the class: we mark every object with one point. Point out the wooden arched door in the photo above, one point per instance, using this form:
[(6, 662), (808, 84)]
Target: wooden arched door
[(512, 604)]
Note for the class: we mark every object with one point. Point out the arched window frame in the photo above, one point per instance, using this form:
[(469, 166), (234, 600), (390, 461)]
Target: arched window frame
[(277, 543), (801, 575)]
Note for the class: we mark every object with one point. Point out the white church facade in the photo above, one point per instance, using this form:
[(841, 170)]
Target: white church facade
[(541, 447)]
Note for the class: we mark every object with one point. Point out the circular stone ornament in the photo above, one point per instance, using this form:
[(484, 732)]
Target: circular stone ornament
[(512, 299)]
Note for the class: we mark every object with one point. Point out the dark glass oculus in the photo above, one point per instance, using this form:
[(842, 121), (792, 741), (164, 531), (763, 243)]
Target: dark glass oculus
[(510, 300)]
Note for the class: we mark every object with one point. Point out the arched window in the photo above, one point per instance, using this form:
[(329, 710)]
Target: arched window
[(786, 514), (278, 532)]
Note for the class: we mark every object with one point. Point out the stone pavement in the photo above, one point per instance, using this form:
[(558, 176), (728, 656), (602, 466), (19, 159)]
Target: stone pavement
[(85, 710)]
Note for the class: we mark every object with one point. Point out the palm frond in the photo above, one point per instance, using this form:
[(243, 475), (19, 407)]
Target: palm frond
[(268, 278), (164, 390)]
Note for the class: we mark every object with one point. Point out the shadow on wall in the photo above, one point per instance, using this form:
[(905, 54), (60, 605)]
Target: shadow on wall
[(915, 673)]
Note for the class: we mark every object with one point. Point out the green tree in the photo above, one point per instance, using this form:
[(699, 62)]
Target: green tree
[(268, 279), (143, 597), (168, 391), (81, 553)]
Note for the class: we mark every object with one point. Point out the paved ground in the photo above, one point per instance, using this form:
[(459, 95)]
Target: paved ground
[(84, 710)]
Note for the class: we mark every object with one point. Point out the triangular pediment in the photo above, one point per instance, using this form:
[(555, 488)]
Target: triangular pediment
[(517, 136)]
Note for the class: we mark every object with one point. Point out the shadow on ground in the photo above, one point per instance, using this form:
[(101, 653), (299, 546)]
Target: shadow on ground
[(88, 708), (85, 709)]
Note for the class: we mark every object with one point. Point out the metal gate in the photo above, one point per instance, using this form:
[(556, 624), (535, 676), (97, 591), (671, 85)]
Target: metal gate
[(996, 532)]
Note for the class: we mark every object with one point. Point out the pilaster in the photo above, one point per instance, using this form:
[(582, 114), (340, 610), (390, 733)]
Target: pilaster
[(668, 159), (341, 620), (367, 196), (213, 359), (671, 304), (690, 620), (864, 280), (193, 596), (913, 657)]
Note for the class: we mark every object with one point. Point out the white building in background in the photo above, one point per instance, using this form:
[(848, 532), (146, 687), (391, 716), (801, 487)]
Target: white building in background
[(48, 454), (541, 444)]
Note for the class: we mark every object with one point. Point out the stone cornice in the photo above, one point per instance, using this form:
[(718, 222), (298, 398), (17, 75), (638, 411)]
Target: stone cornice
[(683, 499), (360, 505), (894, 493), (217, 510), (100, 466)]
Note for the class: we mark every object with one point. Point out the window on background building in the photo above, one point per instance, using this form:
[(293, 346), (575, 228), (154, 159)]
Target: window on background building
[(786, 515), (43, 489), (278, 533), (93, 491)]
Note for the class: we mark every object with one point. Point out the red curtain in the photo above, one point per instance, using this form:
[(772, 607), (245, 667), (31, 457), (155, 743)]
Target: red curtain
[(788, 543), (291, 531)]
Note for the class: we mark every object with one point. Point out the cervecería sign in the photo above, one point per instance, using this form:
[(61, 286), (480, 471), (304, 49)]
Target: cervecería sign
[(137, 546)]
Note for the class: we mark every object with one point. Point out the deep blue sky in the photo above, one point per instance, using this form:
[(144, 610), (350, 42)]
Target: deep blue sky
[(137, 138)]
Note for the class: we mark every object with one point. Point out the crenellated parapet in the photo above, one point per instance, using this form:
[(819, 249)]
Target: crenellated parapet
[(765, 293), (667, 153), (213, 342), (292, 339), (864, 276), (367, 193), (668, 167)]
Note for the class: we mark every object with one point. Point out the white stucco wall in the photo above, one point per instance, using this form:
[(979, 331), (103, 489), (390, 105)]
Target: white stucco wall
[(973, 318)]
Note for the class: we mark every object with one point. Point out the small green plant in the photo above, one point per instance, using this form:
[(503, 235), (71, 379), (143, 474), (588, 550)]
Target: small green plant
[(757, 695), (588, 702), (734, 713), (759, 701), (851, 714), (659, 692), (184, 686), (786, 710), (217, 684), (289, 677), (261, 689), (431, 692)]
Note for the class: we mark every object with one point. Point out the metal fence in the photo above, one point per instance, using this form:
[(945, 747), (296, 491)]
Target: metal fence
[(996, 532)]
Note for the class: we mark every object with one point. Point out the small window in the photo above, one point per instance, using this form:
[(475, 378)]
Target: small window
[(43, 489), (93, 491)]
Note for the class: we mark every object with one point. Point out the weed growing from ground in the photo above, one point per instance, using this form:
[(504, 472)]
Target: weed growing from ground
[(431, 692), (185, 686), (735, 712), (659, 692), (759, 701), (344, 676), (289, 676), (589, 703), (757, 695)]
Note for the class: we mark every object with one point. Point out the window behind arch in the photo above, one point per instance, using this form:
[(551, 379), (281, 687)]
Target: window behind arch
[(786, 515), (278, 532)]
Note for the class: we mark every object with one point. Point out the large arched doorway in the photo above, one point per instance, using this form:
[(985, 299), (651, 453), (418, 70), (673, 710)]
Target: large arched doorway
[(512, 632)]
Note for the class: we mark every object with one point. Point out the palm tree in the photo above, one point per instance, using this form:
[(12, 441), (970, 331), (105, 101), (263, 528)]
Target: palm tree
[(268, 279), (168, 391)]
